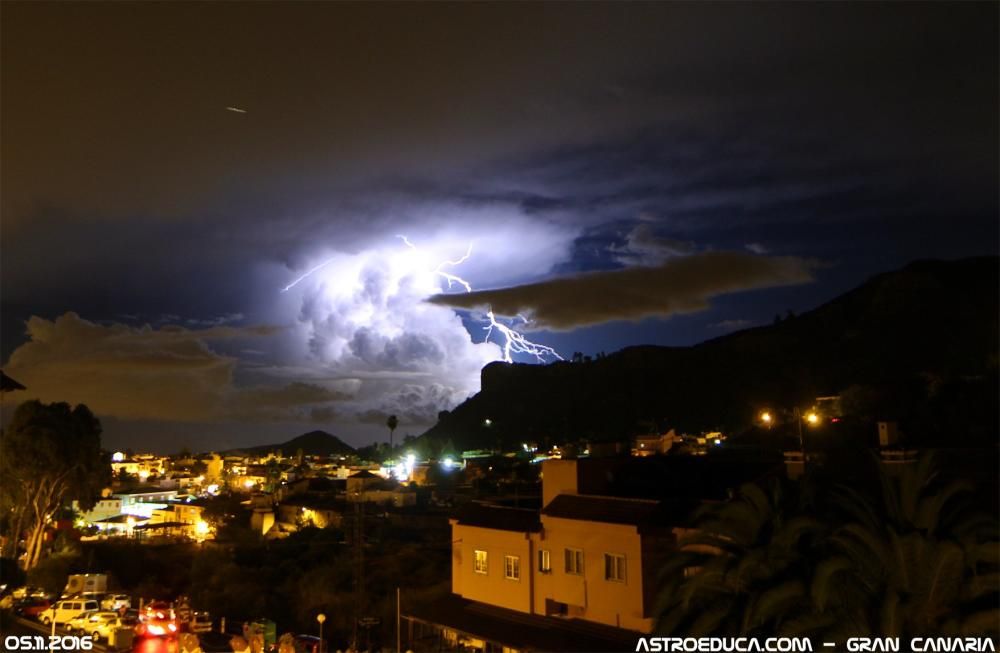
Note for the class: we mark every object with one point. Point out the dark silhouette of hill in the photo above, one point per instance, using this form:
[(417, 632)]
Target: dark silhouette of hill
[(314, 443), (918, 345)]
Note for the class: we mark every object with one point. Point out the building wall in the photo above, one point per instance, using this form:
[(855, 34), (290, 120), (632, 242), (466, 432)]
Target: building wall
[(590, 596), (492, 587), (102, 510), (558, 477), (188, 514)]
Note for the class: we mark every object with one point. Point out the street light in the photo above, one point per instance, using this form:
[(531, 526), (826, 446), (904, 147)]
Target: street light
[(812, 418), (321, 618)]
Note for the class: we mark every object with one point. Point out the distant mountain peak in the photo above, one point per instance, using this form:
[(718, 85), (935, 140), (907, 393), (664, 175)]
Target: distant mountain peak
[(313, 443)]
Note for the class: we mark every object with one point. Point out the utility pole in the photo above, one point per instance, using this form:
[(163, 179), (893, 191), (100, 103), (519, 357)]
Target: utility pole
[(359, 562)]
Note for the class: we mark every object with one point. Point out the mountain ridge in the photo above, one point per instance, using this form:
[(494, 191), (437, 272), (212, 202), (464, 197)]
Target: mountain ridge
[(313, 443), (930, 319)]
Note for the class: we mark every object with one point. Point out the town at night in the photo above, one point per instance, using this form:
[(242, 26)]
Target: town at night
[(490, 327)]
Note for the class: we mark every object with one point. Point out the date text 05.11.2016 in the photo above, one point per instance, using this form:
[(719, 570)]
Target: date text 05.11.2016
[(48, 643)]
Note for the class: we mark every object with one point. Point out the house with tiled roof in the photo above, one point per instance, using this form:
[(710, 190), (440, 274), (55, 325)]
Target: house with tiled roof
[(579, 574)]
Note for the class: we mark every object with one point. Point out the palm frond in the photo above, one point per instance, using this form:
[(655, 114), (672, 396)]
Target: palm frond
[(826, 574)]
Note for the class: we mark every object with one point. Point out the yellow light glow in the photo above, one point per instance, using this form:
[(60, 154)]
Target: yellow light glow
[(766, 417), (143, 474), (812, 418), (248, 483), (201, 528), (130, 521)]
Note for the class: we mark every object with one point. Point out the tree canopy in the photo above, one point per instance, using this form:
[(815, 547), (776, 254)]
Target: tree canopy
[(50, 454)]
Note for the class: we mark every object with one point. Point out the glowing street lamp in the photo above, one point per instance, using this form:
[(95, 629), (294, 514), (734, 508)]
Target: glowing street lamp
[(811, 418), (321, 618)]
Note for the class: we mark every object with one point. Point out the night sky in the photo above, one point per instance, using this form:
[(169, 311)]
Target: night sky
[(618, 174)]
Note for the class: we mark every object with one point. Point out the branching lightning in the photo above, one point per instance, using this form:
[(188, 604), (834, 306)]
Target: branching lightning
[(516, 343), (511, 340)]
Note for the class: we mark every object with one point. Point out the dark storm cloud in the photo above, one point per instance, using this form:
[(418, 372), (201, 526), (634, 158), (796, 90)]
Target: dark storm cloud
[(676, 286), (579, 137), (170, 373)]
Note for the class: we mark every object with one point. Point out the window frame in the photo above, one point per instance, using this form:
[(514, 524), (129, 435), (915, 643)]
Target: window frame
[(610, 560), (577, 568), (484, 568), (544, 561), (512, 563)]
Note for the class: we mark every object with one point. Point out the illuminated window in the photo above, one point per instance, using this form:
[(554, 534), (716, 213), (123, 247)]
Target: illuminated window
[(512, 567), (480, 564), (544, 561), (614, 567), (574, 561)]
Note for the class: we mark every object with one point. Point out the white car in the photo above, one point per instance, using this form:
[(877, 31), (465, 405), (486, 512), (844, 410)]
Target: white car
[(79, 621), (116, 602), (100, 625), (201, 622), (63, 611)]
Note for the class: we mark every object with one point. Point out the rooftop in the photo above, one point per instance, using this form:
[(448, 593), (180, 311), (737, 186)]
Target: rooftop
[(617, 510), (143, 490), (486, 515), (524, 632)]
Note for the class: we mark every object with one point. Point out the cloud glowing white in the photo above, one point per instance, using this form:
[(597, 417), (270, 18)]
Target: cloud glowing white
[(512, 341)]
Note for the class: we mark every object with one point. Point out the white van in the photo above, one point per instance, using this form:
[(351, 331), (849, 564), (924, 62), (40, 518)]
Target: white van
[(63, 611)]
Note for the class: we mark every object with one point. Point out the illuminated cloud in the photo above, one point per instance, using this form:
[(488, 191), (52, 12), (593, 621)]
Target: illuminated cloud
[(676, 286), (644, 247)]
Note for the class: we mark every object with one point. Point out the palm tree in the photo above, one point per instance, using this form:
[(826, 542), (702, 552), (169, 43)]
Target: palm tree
[(921, 561), (392, 423), (744, 569), (905, 558)]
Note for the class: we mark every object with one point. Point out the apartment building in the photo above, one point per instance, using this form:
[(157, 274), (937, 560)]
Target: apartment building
[(577, 575)]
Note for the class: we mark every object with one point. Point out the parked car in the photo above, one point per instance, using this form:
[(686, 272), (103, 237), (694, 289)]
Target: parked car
[(63, 611), (29, 592), (77, 622), (116, 602), (201, 622), (307, 643), (100, 625), (31, 607)]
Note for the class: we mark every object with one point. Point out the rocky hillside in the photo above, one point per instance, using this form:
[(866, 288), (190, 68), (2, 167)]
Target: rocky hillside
[(918, 345)]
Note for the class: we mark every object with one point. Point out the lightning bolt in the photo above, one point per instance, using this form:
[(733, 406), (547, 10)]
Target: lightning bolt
[(512, 341), (515, 342), (451, 278), (307, 275)]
